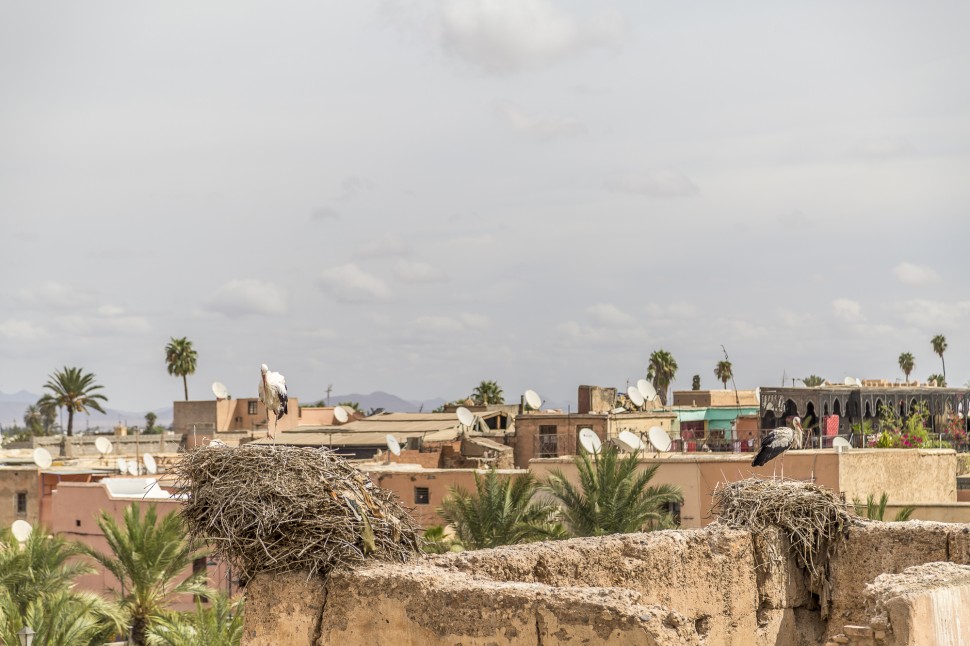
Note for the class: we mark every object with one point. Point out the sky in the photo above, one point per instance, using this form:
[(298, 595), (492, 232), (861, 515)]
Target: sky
[(417, 196)]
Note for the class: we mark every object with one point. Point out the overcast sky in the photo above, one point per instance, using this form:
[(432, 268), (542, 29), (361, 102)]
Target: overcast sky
[(416, 196)]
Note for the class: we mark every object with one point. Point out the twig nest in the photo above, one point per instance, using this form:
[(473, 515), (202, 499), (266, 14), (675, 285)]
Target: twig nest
[(285, 508)]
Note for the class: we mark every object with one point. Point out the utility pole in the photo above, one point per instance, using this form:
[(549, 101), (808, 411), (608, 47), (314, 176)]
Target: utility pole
[(329, 388)]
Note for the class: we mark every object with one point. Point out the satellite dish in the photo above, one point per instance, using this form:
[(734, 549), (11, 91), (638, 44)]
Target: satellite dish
[(132, 468), (858, 382), (849, 381), (340, 414), (219, 390), (618, 409), (840, 444), (533, 400), (659, 439), (216, 443), (392, 445), (636, 396), (465, 416), (103, 445), (150, 464), (629, 442), (122, 465), (645, 389), (21, 530), (590, 440), (42, 457)]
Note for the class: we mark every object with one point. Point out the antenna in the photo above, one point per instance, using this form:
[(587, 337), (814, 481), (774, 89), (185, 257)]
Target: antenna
[(219, 390), (103, 445), (636, 396), (659, 439), (629, 442), (590, 440), (465, 416), (42, 458), (393, 445), (21, 530), (340, 414), (533, 400), (150, 465)]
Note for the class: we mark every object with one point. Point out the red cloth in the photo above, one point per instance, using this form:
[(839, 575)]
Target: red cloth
[(832, 425)]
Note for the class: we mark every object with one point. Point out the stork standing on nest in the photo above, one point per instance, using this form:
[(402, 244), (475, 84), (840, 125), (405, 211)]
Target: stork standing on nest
[(272, 392), (777, 441)]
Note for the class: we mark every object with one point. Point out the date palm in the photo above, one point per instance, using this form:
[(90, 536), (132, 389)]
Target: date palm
[(488, 392), (181, 359), (661, 370), (939, 347), (613, 495), (724, 372), (813, 381), (906, 364), (221, 624), (74, 390)]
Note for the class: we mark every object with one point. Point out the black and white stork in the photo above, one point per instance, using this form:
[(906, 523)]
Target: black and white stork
[(777, 441), (272, 392)]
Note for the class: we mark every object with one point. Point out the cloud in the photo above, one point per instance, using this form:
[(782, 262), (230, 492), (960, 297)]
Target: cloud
[(388, 245), (436, 324), (20, 330), (658, 314), (502, 36), (934, 315), (608, 314), (325, 213), (847, 310), (54, 295), (543, 128), (878, 149), (350, 283), (658, 183), (353, 187), (418, 272), (915, 275), (248, 297)]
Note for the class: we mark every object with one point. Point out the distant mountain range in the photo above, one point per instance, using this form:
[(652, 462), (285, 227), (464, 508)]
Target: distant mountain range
[(380, 399), (12, 409)]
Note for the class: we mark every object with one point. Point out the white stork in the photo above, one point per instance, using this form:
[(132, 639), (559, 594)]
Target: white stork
[(272, 392), (776, 442)]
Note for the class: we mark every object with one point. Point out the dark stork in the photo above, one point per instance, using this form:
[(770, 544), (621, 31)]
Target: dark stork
[(776, 442), (272, 392)]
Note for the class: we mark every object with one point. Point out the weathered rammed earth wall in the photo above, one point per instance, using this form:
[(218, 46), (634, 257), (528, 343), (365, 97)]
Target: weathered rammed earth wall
[(688, 587)]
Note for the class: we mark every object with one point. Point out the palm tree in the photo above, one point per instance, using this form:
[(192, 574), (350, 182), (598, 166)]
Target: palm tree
[(939, 347), (612, 496), (181, 359), (938, 378), (501, 512), (74, 390), (906, 364), (352, 405), (488, 392), (148, 556), (723, 372), (437, 541), (42, 565), (877, 510), (661, 371), (221, 624), (813, 381), (695, 383)]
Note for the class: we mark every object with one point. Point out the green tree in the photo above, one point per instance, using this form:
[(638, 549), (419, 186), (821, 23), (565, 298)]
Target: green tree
[(813, 381), (488, 392), (352, 405), (500, 512), (437, 541), (906, 364), (724, 372), (613, 495), (148, 556), (181, 358), (74, 390), (877, 510), (221, 624), (34, 420), (661, 370), (939, 379), (939, 347), (150, 420), (695, 383)]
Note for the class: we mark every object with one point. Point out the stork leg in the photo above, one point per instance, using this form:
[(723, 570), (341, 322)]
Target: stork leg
[(782, 466)]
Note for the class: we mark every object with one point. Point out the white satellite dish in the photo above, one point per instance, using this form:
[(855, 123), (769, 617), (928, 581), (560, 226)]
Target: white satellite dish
[(340, 414), (645, 389), (841, 445), (216, 443), (219, 390), (659, 439), (393, 445), (122, 465), (590, 440), (150, 465), (629, 442), (849, 381), (533, 400), (21, 530), (42, 457), (636, 396), (103, 445), (465, 416), (858, 382), (132, 468)]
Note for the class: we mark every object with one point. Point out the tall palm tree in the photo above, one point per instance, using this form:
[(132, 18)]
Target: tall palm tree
[(939, 347), (938, 378), (221, 624), (488, 392), (812, 381), (661, 371), (74, 390), (613, 495), (724, 372), (148, 556), (181, 359), (695, 383), (500, 512), (906, 364)]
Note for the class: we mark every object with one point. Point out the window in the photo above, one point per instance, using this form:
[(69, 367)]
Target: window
[(21, 503), (422, 496), (548, 441), (252, 407)]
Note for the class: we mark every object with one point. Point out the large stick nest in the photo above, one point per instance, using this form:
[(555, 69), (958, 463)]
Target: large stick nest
[(813, 518), (285, 508)]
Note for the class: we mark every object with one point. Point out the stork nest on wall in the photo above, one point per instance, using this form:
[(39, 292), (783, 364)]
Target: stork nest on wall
[(285, 508), (813, 518)]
